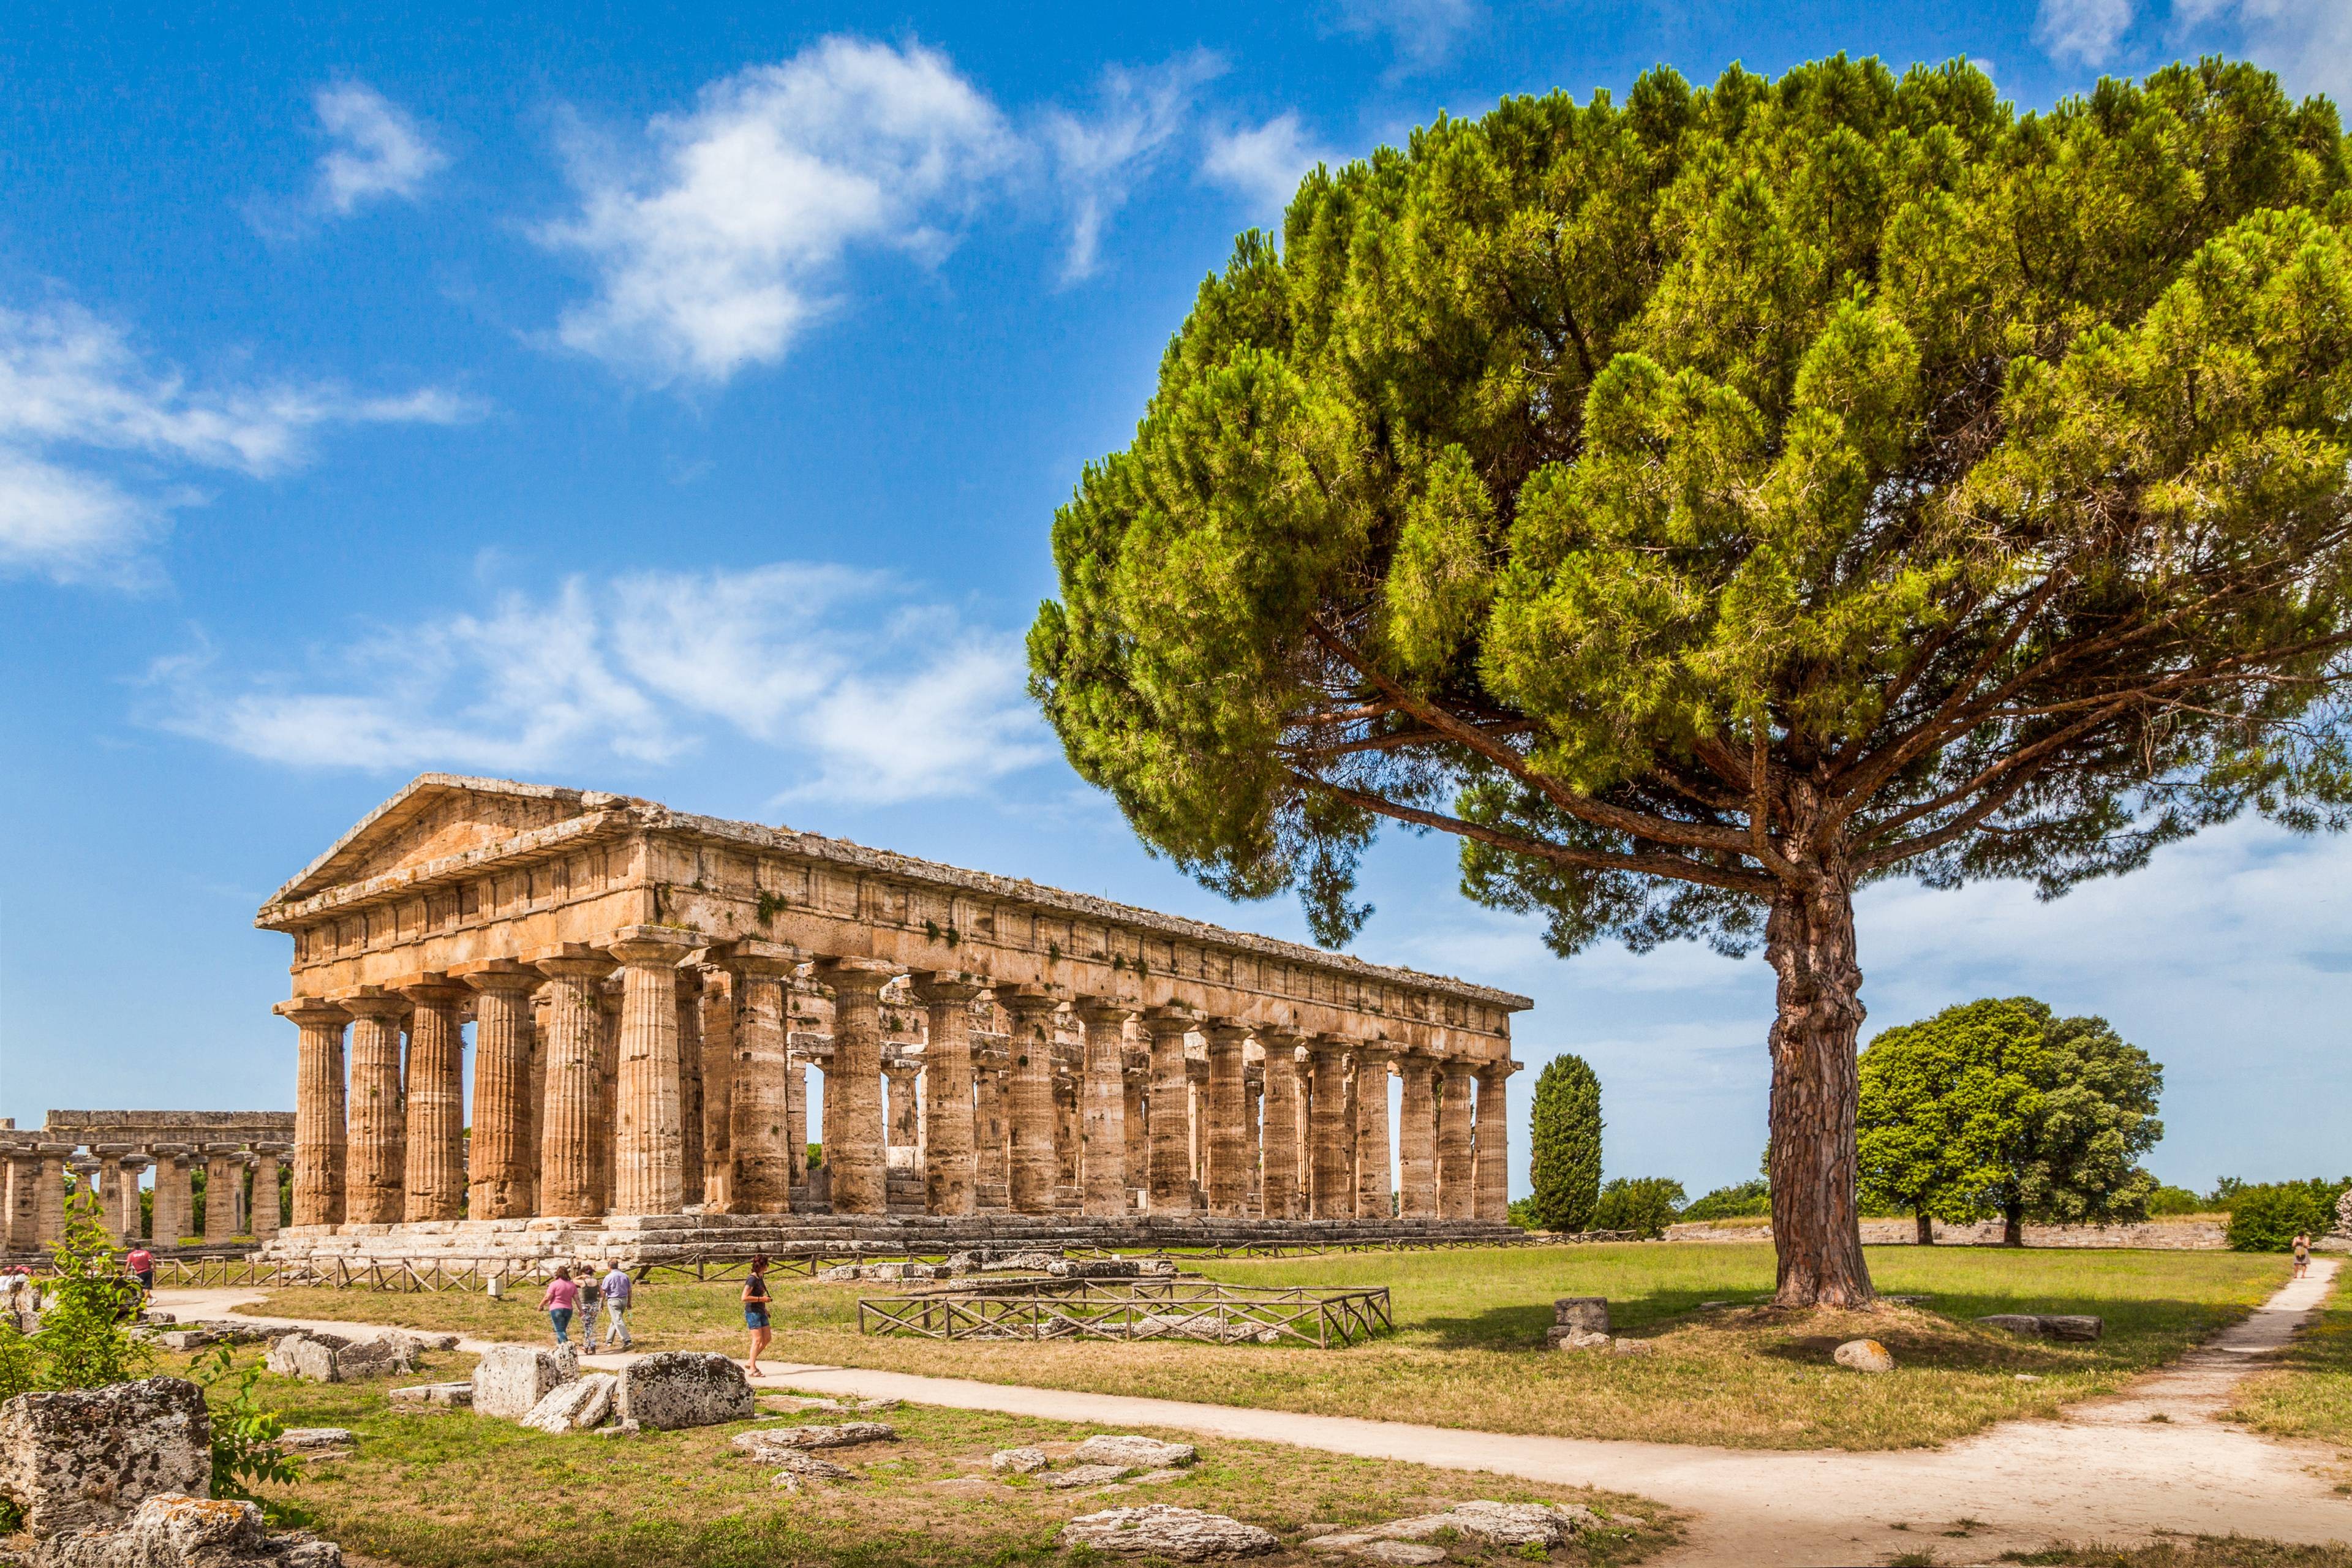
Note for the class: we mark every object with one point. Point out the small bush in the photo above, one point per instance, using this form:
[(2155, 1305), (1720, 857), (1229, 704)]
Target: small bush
[(1748, 1199), (1643, 1204), (85, 1338), (244, 1435), (2265, 1216), (2175, 1200)]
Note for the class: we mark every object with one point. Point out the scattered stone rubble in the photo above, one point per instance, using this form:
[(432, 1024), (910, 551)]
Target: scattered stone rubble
[(1863, 1355), (317, 1356), (574, 1407), (175, 1530), (206, 1332), (2079, 1327), (448, 1395), (1019, 1461), (1078, 1476), (511, 1380), (958, 1264), (1509, 1524), (1158, 1529)]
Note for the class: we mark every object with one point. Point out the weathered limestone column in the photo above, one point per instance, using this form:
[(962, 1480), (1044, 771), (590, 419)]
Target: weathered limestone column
[(1196, 1126), (1281, 1158), (172, 1189), (1417, 1137), (1491, 1141), (1253, 1160), (1455, 1198), (378, 1162), (796, 1087), (648, 1122), (761, 1133), (16, 1165), (611, 993), (1135, 1081), (991, 1129), (853, 1089), (1033, 1161), (221, 1173), (319, 1149), (951, 1163), (1069, 1195), (541, 1010), (263, 1217), (905, 1126), (1228, 1181), (108, 1188), (49, 1192), (1102, 1126), (437, 1102), (689, 981), (128, 1220), (1331, 1179), (1170, 1177), (502, 1152), (1372, 1169), (569, 1117), (716, 1025)]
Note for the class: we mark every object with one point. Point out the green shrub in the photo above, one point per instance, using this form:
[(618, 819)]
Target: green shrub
[(85, 1337), (244, 1435), (1645, 1205), (2176, 1200), (1748, 1199), (1521, 1213), (2265, 1216)]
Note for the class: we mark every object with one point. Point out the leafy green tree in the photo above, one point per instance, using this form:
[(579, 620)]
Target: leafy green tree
[(1935, 1100), (1643, 1204), (2266, 1216), (1564, 1139), (1745, 1201), (1706, 506), (2076, 1159)]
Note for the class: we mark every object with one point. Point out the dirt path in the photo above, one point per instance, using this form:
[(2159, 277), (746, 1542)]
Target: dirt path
[(2107, 1470)]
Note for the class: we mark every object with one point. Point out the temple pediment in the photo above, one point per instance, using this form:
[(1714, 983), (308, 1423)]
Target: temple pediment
[(435, 817)]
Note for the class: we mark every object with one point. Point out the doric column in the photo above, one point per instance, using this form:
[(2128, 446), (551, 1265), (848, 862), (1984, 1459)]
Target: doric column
[(1033, 1161), (436, 1101), (1417, 1137), (1170, 1183), (1281, 1157), (796, 1087), (1491, 1141), (128, 1224), (1228, 1181), (992, 1128), (262, 1219), (1196, 1126), (319, 1150), (248, 1164), (1135, 1082), (501, 1151), (611, 992), (222, 1172), (1102, 1132), (1069, 1195), (1455, 1198), (852, 1088), (377, 1166), (649, 1120), (17, 1163), (570, 1116), (171, 1218), (900, 1116), (49, 1192), (689, 981), (107, 1188), (760, 1134), (1372, 1167), (951, 1163), (1331, 1179), (716, 1025), (1253, 1159)]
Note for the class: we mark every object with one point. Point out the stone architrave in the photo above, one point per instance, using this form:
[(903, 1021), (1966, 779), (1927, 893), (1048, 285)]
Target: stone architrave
[(1372, 1166), (378, 1154), (1170, 1125), (853, 1089), (1227, 1185), (950, 1165), (1417, 1137), (716, 1025), (691, 1161), (1031, 1176), (1457, 1198), (1280, 1183), (436, 1101), (263, 1219), (1490, 1143), (319, 1147), (1103, 1125), (760, 1135), (568, 1117), (223, 1174), (502, 1152), (648, 1125), (1331, 1177)]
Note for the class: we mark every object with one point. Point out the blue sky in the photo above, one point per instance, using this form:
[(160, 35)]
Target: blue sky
[(676, 402)]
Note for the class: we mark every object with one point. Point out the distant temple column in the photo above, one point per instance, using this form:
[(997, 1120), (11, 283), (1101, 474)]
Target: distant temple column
[(1456, 1198), (690, 1082), (1171, 1129), (1135, 1081), (169, 1222), (1103, 1129), (1253, 1152), (221, 1175), (437, 1103), (992, 1130), (541, 1010), (501, 1151), (378, 1153), (569, 1119), (1280, 1183), (714, 1025), (1372, 1168), (902, 1115), (761, 1133), (1033, 1162), (108, 1188), (1332, 1175), (1417, 1137), (1069, 1137), (853, 1089), (611, 993), (129, 1223), (649, 1123), (49, 1192), (319, 1150), (263, 1217), (1228, 1183), (1491, 1142), (796, 1091), (951, 1163)]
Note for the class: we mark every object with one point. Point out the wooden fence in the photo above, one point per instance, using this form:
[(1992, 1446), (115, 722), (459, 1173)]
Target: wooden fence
[(1325, 1316)]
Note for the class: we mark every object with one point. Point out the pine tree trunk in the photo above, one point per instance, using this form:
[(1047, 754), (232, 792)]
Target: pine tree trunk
[(1926, 1237), (2013, 1225), (1816, 1223)]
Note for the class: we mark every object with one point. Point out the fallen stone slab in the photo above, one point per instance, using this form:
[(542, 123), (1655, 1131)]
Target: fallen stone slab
[(1089, 1475), (1019, 1461), (310, 1439), (2080, 1328), (620, 1429), (317, 1356), (175, 1531), (1379, 1549), (1863, 1355), (451, 1395), (1492, 1523), (769, 1442), (1561, 1338), (90, 1458), (1135, 1452), (809, 1468), (573, 1407), (511, 1380), (1161, 1529), (670, 1390)]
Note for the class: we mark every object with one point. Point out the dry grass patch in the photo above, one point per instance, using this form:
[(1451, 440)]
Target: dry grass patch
[(2191, 1551)]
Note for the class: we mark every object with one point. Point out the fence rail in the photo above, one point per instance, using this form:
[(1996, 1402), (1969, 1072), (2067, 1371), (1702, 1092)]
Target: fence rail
[(1325, 1316)]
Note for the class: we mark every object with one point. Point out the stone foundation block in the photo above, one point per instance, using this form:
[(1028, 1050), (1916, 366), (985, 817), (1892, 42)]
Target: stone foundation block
[(670, 1389), (511, 1380), (1587, 1313), (90, 1456)]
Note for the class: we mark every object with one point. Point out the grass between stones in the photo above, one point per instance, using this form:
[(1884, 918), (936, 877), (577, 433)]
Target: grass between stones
[(2307, 1392), (2188, 1551), (450, 1489), (1467, 1351)]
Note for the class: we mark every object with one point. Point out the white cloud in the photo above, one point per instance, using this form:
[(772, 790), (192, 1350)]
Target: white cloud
[(1100, 158), (1264, 164), (647, 668), (720, 252), (2308, 42), (1422, 32), (72, 387), (378, 150), (2081, 30)]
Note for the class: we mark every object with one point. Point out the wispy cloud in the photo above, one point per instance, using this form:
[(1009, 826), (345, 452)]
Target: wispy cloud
[(377, 149), (1423, 33), (1263, 164), (2084, 31), (73, 390), (1099, 158), (2308, 42), (868, 692)]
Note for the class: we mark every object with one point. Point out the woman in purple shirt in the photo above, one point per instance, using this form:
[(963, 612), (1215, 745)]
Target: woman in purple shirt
[(561, 1295)]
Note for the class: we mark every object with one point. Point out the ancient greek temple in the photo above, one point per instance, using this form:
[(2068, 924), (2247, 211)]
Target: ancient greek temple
[(649, 994), (108, 1152)]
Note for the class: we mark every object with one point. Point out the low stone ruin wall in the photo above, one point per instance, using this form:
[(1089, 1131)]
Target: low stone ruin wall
[(2191, 1233)]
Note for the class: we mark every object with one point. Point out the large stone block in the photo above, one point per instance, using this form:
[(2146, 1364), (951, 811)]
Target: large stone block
[(1180, 1534), (670, 1389), (573, 1407), (90, 1456), (180, 1531), (317, 1356), (1586, 1314), (511, 1380)]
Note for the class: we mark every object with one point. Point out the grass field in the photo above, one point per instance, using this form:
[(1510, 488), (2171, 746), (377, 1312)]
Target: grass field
[(1467, 1351), (450, 1489)]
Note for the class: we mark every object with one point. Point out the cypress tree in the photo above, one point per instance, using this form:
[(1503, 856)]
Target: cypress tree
[(1567, 1144)]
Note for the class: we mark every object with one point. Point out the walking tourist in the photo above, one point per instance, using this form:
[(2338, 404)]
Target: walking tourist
[(755, 1312), (2302, 1255), (614, 1288), (561, 1295), (588, 1302), (142, 1264)]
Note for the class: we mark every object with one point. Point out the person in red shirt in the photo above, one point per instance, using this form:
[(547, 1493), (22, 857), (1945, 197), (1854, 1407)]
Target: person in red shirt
[(142, 1264)]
